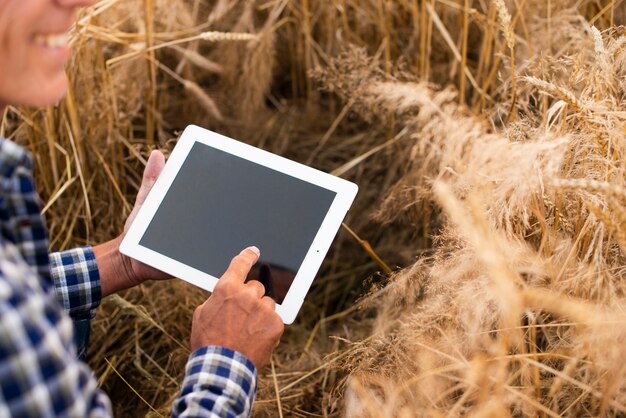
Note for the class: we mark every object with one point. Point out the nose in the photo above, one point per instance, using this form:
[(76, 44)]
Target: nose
[(76, 3)]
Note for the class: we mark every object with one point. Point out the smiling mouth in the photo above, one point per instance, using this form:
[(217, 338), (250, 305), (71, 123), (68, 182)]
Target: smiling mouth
[(52, 41)]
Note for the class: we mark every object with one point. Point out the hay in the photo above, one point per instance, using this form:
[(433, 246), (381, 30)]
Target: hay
[(488, 141)]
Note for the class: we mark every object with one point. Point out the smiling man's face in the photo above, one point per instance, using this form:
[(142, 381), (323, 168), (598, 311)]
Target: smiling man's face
[(34, 50)]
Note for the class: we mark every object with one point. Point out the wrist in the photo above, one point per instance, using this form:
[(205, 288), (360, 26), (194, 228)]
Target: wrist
[(116, 271)]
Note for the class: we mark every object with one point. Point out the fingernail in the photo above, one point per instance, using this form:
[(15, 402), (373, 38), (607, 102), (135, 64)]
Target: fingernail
[(255, 250)]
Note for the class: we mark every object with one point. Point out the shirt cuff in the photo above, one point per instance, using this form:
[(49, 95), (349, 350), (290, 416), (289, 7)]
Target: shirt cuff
[(219, 380), (76, 281)]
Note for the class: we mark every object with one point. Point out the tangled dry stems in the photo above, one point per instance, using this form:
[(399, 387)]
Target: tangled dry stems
[(488, 140)]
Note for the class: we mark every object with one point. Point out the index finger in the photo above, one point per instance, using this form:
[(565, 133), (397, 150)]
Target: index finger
[(240, 265)]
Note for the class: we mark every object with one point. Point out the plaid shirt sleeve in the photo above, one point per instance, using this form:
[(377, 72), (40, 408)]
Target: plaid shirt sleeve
[(76, 281), (40, 375), (219, 382)]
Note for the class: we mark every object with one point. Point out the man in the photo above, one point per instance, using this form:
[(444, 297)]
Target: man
[(47, 301)]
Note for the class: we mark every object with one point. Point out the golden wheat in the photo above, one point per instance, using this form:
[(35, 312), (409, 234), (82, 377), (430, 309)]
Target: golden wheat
[(481, 271)]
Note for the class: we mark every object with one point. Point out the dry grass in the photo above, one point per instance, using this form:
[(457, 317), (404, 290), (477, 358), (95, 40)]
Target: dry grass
[(488, 141)]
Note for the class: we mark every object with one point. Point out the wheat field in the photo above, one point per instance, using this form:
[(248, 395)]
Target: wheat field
[(482, 269)]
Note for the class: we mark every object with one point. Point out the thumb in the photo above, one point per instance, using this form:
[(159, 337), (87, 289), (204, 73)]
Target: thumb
[(153, 169)]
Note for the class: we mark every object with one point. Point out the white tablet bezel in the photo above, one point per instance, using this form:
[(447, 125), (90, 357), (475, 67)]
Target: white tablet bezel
[(345, 194)]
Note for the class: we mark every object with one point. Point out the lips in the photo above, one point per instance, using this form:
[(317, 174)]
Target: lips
[(52, 41)]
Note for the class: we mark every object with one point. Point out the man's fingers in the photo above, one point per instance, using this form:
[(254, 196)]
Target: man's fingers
[(257, 287), (241, 265), (153, 169), (266, 300)]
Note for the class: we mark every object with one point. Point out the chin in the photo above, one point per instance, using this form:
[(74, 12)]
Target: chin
[(51, 93), (52, 100)]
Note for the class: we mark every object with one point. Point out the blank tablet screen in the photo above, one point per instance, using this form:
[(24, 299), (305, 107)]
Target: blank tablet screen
[(219, 204)]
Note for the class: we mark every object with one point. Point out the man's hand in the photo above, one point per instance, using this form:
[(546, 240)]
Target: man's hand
[(237, 315), (138, 271), (117, 271)]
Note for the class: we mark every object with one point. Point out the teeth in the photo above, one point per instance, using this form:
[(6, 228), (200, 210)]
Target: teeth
[(52, 41)]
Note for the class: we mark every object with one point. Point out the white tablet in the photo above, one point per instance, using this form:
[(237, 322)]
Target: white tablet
[(217, 196)]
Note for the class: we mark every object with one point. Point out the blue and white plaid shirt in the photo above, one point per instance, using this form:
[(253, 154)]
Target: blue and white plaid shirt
[(41, 294)]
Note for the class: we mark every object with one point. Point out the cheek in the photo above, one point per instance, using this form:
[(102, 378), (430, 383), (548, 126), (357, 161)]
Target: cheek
[(27, 76), (13, 49)]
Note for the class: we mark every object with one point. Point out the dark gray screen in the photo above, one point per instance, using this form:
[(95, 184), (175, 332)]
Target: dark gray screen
[(220, 204)]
